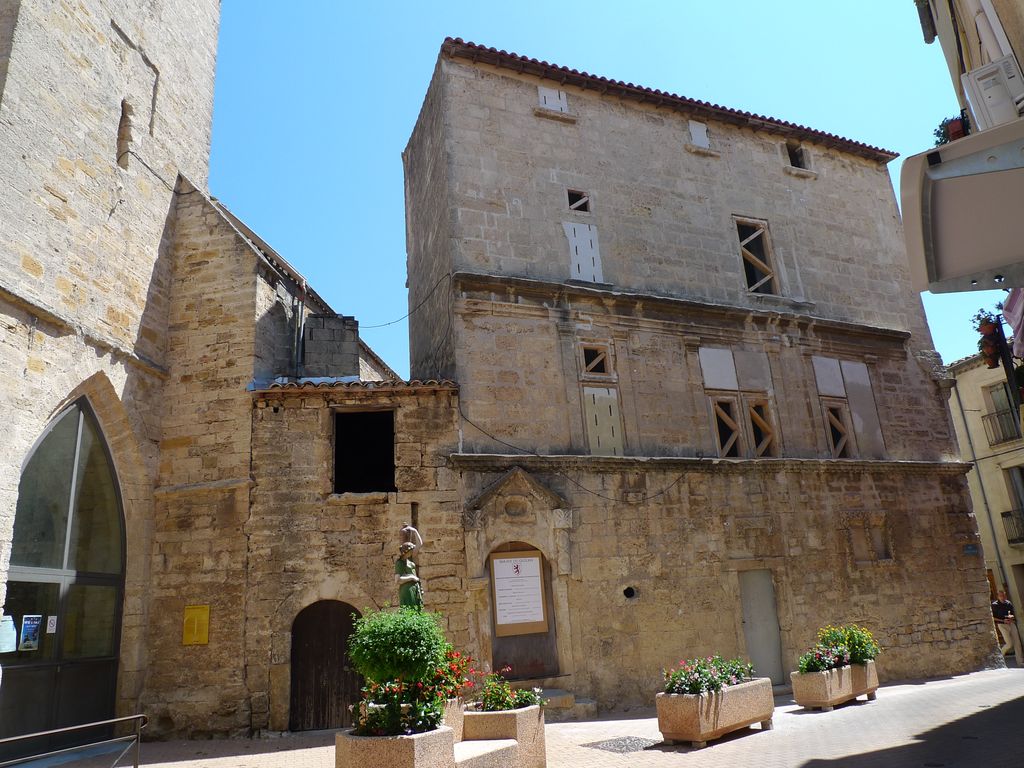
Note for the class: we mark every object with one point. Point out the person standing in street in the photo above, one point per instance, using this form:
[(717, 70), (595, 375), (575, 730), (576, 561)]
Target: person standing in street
[(1002, 612)]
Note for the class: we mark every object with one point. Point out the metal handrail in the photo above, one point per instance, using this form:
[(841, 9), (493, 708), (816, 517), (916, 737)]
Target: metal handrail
[(1013, 526), (1001, 426), (133, 739)]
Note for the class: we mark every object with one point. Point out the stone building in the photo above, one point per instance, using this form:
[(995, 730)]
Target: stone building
[(989, 432), (693, 377), (696, 408), (138, 314)]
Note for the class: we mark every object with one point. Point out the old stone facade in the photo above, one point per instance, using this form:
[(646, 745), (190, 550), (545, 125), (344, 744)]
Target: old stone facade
[(141, 313), (692, 385), (688, 334)]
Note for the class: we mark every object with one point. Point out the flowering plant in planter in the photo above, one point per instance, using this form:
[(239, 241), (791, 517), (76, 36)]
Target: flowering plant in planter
[(824, 657), (497, 695), (860, 643), (456, 676), (703, 675)]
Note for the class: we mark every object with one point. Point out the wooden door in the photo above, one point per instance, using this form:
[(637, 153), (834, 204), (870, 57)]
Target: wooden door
[(324, 685)]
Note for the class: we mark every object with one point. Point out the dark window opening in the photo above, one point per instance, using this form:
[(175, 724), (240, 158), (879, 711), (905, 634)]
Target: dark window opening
[(364, 451), (728, 429), (797, 155), (757, 260), (579, 201), (838, 433), (595, 360), (761, 430)]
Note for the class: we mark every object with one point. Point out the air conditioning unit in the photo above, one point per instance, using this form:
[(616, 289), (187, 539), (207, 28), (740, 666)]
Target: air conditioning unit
[(995, 92)]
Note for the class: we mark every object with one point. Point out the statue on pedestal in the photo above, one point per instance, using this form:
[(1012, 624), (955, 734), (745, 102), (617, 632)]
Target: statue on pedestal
[(410, 591)]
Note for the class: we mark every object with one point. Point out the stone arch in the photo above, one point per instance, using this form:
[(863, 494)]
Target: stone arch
[(336, 588), (137, 506), (519, 508)]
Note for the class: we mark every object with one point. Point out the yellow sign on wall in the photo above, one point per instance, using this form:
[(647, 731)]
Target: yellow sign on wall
[(195, 629)]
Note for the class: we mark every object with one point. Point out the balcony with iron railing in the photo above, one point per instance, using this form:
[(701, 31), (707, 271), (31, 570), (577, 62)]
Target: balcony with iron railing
[(1013, 524), (1001, 426)]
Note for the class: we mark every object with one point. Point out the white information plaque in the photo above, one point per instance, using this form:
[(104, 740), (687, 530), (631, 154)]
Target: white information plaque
[(517, 583)]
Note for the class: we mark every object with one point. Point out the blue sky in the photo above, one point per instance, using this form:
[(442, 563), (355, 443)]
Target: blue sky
[(315, 101)]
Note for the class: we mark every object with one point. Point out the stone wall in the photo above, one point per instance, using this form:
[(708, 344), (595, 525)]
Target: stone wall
[(525, 374), (664, 214), (330, 346), (306, 543), (679, 533), (84, 268), (428, 229)]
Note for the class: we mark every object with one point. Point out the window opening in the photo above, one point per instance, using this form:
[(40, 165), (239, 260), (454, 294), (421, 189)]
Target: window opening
[(552, 98), (838, 431), (579, 201), (124, 133), (797, 155), (364, 451), (727, 430), (595, 360), (699, 135), (584, 252), (756, 253), (601, 413), (761, 430)]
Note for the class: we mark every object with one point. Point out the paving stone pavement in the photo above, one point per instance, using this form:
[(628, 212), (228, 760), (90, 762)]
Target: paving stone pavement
[(962, 722)]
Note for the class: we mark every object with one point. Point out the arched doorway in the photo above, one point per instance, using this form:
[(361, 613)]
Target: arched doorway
[(324, 685), (65, 583), (529, 647)]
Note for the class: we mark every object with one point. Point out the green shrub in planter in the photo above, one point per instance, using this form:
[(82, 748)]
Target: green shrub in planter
[(407, 645)]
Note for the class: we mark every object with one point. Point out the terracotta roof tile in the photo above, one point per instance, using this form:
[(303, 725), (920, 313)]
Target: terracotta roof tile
[(459, 48)]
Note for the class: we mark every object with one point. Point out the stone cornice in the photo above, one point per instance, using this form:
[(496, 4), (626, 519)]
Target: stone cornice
[(508, 288), (496, 462)]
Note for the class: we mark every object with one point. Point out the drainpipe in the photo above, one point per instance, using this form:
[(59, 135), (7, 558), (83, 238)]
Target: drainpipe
[(981, 486), (300, 319)]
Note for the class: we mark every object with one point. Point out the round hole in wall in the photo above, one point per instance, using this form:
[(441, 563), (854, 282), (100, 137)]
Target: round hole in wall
[(629, 592)]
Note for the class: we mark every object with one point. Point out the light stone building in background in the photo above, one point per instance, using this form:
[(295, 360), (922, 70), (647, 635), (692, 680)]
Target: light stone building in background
[(989, 432)]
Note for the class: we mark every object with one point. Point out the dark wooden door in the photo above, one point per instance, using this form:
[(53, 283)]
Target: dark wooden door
[(324, 685)]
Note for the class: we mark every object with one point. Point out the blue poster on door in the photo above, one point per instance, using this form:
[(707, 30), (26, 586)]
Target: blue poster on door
[(30, 626)]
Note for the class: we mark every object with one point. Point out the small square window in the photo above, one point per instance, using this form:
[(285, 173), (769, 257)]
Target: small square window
[(699, 135), (364, 451), (579, 201), (595, 360), (552, 98), (797, 155)]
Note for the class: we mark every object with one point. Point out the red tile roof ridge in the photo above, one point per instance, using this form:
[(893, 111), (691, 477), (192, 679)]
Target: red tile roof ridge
[(457, 47)]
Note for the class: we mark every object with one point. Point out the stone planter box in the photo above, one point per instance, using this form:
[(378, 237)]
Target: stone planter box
[(433, 749), (700, 718), (453, 717), (525, 725), (823, 690)]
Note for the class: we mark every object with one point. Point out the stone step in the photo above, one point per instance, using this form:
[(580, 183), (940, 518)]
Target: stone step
[(558, 698), (486, 753), (581, 709), (563, 706)]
